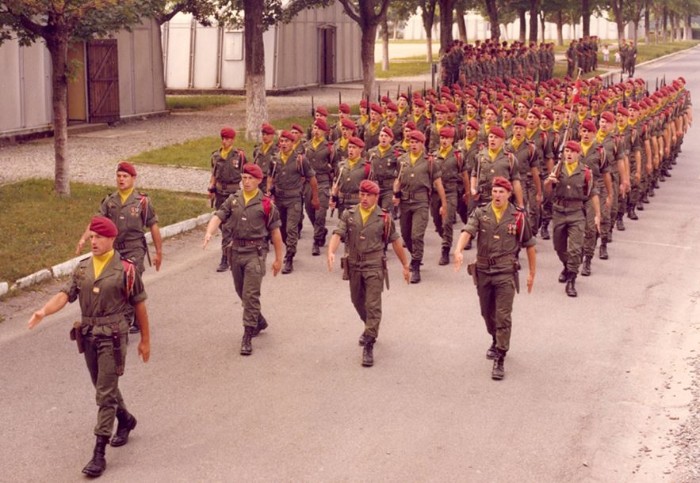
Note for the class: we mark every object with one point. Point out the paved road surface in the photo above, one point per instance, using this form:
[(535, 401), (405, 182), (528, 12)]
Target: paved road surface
[(595, 386)]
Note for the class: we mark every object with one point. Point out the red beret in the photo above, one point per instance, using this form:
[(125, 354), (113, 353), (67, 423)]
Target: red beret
[(538, 102), (419, 102), (509, 107), (451, 106), (493, 108), (297, 127), (409, 125), (387, 130), (127, 168), (536, 112), (357, 142), (561, 109), (588, 125), (367, 186), (417, 135), (441, 108), (267, 129), (363, 103), (473, 102), (253, 170), (322, 111), (386, 99), (548, 114), (228, 132), (288, 135), (376, 108), (321, 124), (391, 106), (474, 124), (497, 131), (103, 226), (582, 101), (447, 132), (623, 110), (501, 182), (344, 108), (519, 121), (573, 146), (608, 116), (348, 123), (635, 106), (404, 95)]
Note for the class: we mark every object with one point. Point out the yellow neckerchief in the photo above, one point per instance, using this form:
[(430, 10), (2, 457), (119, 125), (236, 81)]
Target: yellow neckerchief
[(390, 122), (556, 126), (316, 143), (600, 136), (632, 123), (570, 167), (405, 144), (295, 146), (417, 118), (353, 162), (582, 117), (264, 148), (445, 152), (363, 119), (621, 126), (99, 262), (124, 194), (498, 212), (224, 152), (383, 151), (585, 147), (468, 143), (401, 111), (285, 157), (414, 157), (530, 132), (249, 196), (515, 142), (343, 143), (487, 128), (469, 118), (506, 124), (439, 125), (427, 115), (594, 113), (374, 127), (493, 154), (364, 214)]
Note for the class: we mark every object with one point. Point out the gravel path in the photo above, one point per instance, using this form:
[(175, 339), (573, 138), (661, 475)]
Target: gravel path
[(94, 155)]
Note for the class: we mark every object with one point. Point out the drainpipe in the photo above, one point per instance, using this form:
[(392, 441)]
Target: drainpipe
[(219, 55), (193, 45)]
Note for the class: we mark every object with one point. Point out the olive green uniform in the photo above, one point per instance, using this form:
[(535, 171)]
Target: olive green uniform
[(365, 244), (106, 305), (453, 171), (384, 169), (227, 177), (250, 226), (323, 163)]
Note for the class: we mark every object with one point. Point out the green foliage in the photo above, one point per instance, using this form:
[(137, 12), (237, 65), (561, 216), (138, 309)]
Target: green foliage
[(199, 103), (45, 231), (230, 12)]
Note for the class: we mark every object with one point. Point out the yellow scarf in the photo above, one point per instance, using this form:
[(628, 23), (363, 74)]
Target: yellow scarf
[(316, 143), (600, 136), (285, 157), (249, 196), (621, 126), (405, 144), (570, 167), (373, 127), (363, 119), (390, 122), (506, 124), (383, 151), (493, 153), (445, 152), (515, 142), (414, 157), (225, 152), (530, 132), (343, 143), (468, 143), (364, 214), (585, 147), (557, 125), (264, 148), (99, 262), (582, 117), (498, 212), (124, 194), (353, 162)]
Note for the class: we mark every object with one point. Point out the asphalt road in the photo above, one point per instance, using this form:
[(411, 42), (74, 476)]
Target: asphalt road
[(595, 386)]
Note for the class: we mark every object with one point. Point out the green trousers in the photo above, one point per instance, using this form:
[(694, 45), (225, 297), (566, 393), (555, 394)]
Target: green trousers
[(248, 270), (366, 287), (496, 294)]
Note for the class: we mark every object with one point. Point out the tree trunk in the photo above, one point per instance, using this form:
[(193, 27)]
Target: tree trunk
[(446, 20), (647, 21), (560, 28), (586, 17), (256, 105), (385, 44), (369, 34), (542, 22), (58, 48), (664, 22), (429, 44), (635, 26), (523, 25), (533, 20), (687, 28), (461, 24), (492, 10)]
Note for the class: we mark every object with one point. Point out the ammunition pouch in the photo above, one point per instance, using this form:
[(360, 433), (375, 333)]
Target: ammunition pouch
[(76, 334), (471, 270), (117, 349), (345, 266)]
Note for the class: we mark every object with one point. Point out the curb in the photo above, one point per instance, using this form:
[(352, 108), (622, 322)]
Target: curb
[(67, 267)]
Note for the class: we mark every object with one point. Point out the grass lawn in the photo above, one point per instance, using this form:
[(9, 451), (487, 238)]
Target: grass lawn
[(404, 67), (45, 231), (199, 103)]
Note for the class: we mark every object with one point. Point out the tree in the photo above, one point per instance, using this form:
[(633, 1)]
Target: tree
[(202, 10), (58, 23), (396, 17), (427, 13), (534, 12), (368, 14), (446, 20), (492, 13)]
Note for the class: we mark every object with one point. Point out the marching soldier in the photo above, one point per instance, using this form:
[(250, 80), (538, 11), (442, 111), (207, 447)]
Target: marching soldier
[(252, 220), (345, 192), (367, 230), (320, 156), (501, 230), (264, 152), (109, 290), (384, 167), (493, 161)]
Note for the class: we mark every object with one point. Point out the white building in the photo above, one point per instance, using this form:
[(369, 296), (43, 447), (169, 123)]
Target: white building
[(319, 46)]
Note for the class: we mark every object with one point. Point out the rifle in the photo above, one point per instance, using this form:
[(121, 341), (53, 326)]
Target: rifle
[(313, 111), (560, 149)]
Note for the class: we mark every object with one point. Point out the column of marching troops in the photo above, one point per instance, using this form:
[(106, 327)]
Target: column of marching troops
[(510, 159)]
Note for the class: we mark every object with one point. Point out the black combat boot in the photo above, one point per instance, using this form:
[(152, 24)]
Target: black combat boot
[(246, 342), (97, 464), (620, 225), (603, 251), (415, 271), (645, 198), (498, 372), (223, 264), (544, 231), (322, 242), (563, 276), (586, 269), (631, 214), (368, 352), (445, 256), (288, 265), (571, 285), (262, 325), (640, 203), (127, 423), (315, 250), (492, 352)]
